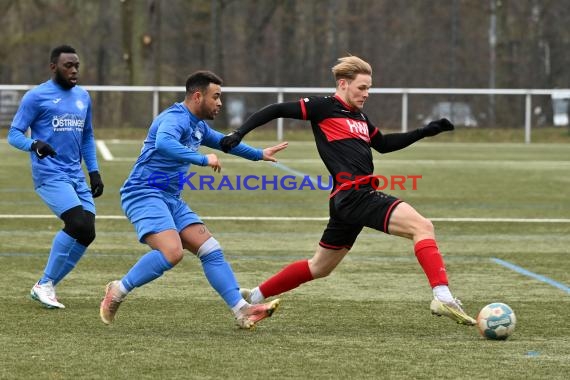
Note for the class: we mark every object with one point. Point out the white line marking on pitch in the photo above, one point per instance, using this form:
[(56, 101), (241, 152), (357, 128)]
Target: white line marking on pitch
[(301, 218), (105, 152)]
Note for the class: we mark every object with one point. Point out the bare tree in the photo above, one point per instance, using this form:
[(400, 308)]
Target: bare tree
[(411, 43)]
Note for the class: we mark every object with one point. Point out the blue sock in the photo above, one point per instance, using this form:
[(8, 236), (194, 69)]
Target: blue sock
[(149, 267), (221, 277), (61, 246), (76, 253)]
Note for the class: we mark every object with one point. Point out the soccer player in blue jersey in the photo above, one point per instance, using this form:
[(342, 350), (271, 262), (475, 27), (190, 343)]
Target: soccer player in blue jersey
[(58, 113), (151, 199)]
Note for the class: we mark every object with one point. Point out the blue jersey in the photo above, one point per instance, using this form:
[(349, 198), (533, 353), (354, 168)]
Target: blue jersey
[(62, 118), (171, 146)]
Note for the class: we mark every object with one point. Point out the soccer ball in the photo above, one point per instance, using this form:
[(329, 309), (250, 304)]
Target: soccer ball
[(496, 321)]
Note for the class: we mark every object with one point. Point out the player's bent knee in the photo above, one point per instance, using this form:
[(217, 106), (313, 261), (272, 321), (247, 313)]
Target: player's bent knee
[(209, 246), (422, 227), (427, 225), (82, 230), (87, 234), (173, 254)]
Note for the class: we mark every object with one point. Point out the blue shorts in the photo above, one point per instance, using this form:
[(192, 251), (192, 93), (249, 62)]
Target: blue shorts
[(63, 193), (153, 211)]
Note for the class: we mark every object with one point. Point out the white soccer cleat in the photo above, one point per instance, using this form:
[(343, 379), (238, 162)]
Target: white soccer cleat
[(110, 303), (252, 314), (45, 294), (452, 310)]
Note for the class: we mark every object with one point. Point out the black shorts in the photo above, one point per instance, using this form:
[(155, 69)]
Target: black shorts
[(352, 210)]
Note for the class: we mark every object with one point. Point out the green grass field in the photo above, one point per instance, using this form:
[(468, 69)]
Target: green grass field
[(369, 319)]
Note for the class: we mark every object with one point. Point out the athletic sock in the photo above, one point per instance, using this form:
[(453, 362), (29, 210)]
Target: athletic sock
[(124, 291), (75, 254), (149, 267), (288, 278), (236, 309), (61, 246), (431, 262), (221, 277), (442, 293), (256, 296)]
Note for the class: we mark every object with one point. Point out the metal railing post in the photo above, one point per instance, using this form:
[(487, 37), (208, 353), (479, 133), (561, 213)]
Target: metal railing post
[(404, 111), (155, 103), (527, 118), (280, 120)]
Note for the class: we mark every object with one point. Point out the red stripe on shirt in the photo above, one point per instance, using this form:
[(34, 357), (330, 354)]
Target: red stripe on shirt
[(303, 109), (374, 133), (340, 128)]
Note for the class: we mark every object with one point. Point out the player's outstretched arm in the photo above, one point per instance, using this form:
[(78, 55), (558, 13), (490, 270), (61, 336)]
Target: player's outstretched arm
[(290, 110), (392, 142), (269, 153), (436, 127)]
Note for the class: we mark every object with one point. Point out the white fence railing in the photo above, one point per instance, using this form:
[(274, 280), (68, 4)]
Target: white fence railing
[(281, 91)]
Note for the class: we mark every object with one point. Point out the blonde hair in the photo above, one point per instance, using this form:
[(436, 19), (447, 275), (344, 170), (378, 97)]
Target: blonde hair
[(349, 67)]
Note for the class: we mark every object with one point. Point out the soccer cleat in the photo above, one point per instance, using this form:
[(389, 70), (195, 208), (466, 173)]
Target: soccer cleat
[(45, 294), (110, 303), (246, 294), (252, 314), (452, 310)]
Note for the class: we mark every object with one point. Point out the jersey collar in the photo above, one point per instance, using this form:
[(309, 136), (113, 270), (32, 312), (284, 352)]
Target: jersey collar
[(345, 105), (193, 117)]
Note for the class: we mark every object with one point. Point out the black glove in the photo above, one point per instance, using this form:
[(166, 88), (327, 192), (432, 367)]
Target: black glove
[(436, 127), (230, 141), (96, 184), (42, 149)]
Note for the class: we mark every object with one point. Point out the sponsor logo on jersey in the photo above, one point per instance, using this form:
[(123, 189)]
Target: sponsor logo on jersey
[(358, 128), (341, 128), (67, 122)]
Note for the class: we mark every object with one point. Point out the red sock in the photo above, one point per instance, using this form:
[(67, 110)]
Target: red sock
[(431, 261), (288, 278)]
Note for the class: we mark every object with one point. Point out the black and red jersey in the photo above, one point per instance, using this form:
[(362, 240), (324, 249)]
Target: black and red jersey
[(342, 134)]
